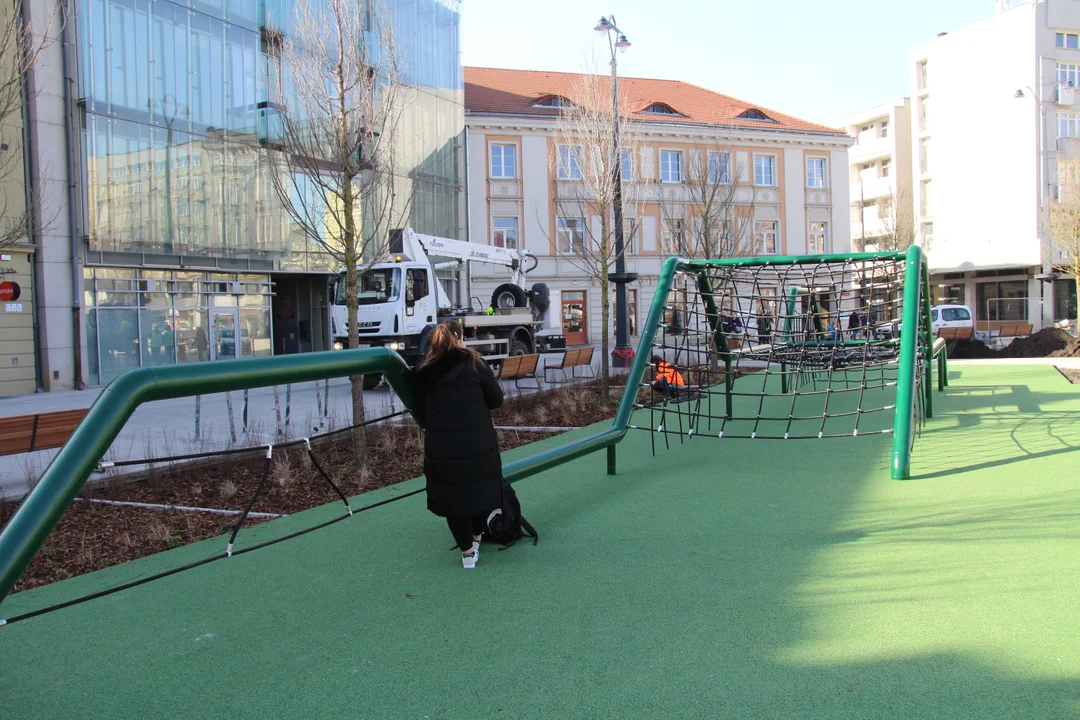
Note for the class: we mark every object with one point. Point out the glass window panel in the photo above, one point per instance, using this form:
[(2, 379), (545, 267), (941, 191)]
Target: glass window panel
[(157, 343), (255, 332), (118, 342)]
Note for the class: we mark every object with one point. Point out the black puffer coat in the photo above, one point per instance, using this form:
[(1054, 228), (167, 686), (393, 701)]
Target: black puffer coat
[(454, 400)]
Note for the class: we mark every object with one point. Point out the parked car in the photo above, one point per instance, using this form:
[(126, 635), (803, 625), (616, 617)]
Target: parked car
[(950, 316)]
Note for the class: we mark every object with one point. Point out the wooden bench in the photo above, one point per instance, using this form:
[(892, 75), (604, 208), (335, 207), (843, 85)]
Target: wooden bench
[(520, 367), (1011, 331), (571, 360), (27, 433), (955, 333)]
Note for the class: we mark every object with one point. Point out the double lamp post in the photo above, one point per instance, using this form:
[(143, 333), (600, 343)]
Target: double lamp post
[(623, 354)]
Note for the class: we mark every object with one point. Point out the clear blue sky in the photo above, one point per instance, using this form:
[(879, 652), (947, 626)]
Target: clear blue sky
[(816, 60)]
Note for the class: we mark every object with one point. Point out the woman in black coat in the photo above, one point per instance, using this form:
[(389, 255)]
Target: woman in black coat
[(455, 394)]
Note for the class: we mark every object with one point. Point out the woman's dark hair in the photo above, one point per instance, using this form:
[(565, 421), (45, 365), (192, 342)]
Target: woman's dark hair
[(445, 338)]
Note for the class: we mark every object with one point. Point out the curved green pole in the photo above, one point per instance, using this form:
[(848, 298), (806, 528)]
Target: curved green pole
[(71, 467), (540, 462), (903, 421)]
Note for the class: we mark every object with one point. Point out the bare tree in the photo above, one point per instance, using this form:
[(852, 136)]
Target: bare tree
[(583, 166), (1063, 226), (20, 49), (897, 217), (339, 104), (704, 216)]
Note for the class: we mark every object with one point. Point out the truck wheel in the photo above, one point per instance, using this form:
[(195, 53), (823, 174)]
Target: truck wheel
[(508, 295), (371, 381), (517, 347)]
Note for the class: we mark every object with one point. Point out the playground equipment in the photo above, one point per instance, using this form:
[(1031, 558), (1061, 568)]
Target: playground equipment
[(893, 357)]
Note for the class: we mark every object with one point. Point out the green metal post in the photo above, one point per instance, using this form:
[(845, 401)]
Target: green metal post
[(611, 459), (903, 422), (79, 457)]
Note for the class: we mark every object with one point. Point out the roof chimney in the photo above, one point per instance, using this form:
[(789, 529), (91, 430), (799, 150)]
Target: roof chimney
[(1000, 6)]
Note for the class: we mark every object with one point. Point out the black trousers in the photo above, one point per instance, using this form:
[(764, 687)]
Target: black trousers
[(464, 527)]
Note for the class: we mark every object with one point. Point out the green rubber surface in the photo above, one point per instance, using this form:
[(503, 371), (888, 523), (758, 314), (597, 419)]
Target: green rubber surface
[(719, 579)]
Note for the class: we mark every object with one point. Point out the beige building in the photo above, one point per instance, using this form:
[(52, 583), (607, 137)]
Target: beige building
[(880, 175), (789, 180)]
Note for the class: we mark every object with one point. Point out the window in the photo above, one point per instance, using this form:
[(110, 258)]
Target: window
[(924, 121), (920, 70), (631, 309), (1064, 299), (659, 109), (503, 161), (570, 233), (552, 101), (928, 235), (817, 242), (766, 234), (815, 172), (1002, 301), (884, 128), (670, 166), (765, 170), (1070, 41), (927, 205), (954, 314), (865, 128), (674, 235), (569, 163), (1067, 73), (1068, 125), (886, 168), (627, 165), (924, 156), (949, 294), (719, 168), (504, 233), (629, 232), (755, 114)]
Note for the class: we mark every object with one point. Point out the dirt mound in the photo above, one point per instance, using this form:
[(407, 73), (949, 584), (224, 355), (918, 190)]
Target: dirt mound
[(1045, 343), (1070, 350), (1042, 344)]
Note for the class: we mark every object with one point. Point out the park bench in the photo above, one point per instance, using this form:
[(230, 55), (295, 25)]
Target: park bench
[(955, 333), (571, 360), (520, 367), (1011, 331), (27, 433)]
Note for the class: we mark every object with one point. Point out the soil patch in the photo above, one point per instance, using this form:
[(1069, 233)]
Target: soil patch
[(1072, 374), (1070, 350), (1048, 342)]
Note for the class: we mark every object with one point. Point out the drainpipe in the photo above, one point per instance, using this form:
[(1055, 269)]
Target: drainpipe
[(73, 228), (468, 223), (33, 226)]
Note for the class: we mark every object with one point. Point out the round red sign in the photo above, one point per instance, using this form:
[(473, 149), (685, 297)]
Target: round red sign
[(9, 291)]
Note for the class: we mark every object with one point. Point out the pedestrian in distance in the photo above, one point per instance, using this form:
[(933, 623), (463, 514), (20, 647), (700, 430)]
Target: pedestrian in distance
[(455, 394)]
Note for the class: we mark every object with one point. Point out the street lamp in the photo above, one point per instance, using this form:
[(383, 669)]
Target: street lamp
[(1044, 189), (623, 354)]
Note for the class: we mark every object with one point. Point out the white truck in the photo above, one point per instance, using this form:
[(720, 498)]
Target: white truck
[(402, 300)]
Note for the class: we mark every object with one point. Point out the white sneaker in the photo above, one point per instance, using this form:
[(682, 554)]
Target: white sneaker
[(468, 559)]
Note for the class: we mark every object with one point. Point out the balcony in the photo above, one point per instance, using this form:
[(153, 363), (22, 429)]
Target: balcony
[(871, 189), (871, 149)]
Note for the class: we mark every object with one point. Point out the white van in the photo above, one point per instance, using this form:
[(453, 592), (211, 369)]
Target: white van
[(950, 316)]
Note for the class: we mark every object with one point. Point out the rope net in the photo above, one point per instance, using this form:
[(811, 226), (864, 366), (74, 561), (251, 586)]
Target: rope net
[(795, 351)]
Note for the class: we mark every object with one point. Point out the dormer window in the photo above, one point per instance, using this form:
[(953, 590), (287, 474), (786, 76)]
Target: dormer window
[(660, 109), (754, 114), (552, 101)]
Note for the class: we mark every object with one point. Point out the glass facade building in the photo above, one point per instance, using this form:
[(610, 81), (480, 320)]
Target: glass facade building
[(176, 164)]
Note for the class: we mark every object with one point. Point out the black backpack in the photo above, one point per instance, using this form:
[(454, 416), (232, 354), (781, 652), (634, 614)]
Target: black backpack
[(505, 525)]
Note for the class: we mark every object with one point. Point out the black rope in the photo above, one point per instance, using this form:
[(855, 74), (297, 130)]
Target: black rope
[(319, 467), (254, 498)]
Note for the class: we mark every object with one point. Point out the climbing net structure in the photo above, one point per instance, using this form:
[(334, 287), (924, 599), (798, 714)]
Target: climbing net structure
[(790, 348)]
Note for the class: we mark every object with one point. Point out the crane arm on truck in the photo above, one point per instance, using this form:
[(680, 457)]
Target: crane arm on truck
[(417, 247)]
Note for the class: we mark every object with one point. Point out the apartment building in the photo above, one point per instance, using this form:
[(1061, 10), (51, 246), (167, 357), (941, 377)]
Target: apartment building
[(162, 240), (789, 177), (880, 175), (994, 124)]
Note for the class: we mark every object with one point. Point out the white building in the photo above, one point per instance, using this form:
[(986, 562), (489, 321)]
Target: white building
[(880, 174), (792, 177), (994, 111)]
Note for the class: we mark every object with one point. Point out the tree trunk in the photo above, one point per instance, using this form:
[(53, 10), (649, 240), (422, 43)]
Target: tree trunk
[(605, 323), (352, 278)]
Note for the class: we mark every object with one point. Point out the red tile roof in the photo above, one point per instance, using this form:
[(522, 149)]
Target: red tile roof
[(516, 92)]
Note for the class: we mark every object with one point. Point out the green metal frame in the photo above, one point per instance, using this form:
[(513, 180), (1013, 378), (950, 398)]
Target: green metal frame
[(41, 510)]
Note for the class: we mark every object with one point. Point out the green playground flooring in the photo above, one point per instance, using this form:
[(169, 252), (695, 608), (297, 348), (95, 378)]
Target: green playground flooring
[(718, 579)]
